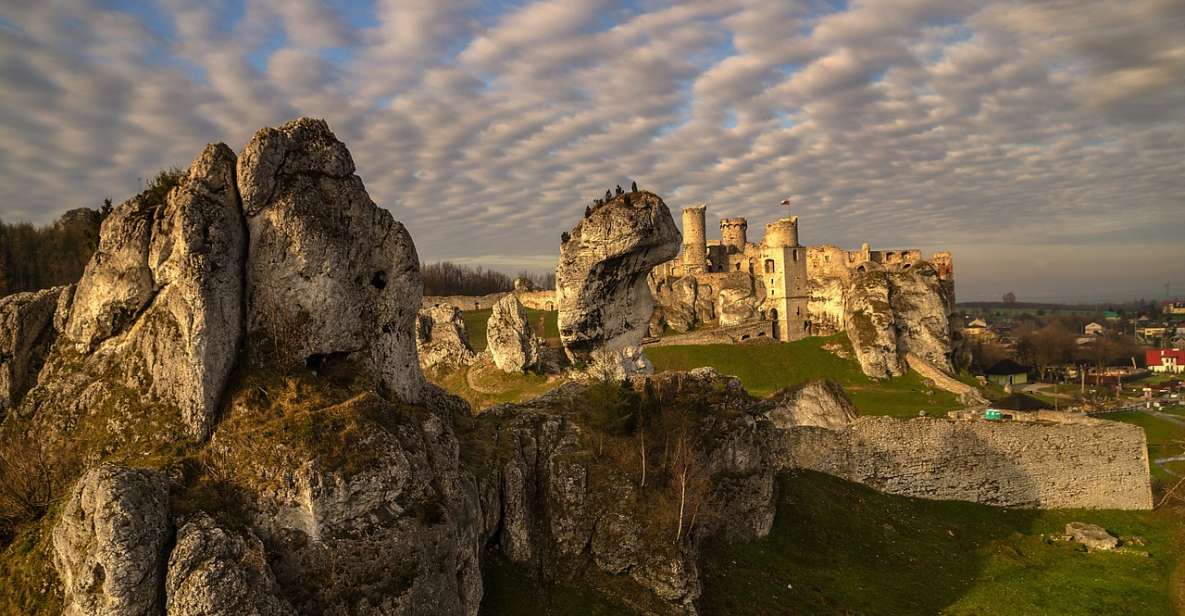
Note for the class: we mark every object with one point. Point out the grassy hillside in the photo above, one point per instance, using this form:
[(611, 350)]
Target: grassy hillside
[(841, 548), (766, 368), (1166, 438)]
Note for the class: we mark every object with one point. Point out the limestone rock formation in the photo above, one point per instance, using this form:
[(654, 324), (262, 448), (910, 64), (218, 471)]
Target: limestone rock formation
[(377, 510), (331, 277), (160, 303), (822, 404), (601, 280), (441, 338), (921, 309), (525, 285), (511, 341), (216, 572), (826, 304), (109, 542), (684, 303), (27, 331), (868, 319), (738, 301), (890, 314)]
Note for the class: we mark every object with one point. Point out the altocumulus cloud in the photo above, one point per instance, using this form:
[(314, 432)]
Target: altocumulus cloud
[(1044, 142)]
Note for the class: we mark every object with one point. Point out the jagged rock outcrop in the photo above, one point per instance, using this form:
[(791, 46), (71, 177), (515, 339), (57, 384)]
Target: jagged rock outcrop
[(109, 542), (372, 515), (441, 338), (511, 341), (564, 505), (27, 331), (684, 303), (826, 304), (890, 314), (868, 319), (331, 277), (213, 571), (601, 280), (738, 301), (822, 404), (159, 307), (525, 285), (921, 308)]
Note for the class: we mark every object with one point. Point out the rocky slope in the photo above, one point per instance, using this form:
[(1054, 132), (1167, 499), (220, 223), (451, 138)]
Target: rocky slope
[(601, 280)]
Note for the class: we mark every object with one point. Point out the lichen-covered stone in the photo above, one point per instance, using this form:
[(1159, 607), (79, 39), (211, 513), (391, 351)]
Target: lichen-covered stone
[(511, 341), (822, 404), (26, 333), (109, 542), (441, 338), (160, 303), (868, 319), (601, 280), (213, 571), (331, 277)]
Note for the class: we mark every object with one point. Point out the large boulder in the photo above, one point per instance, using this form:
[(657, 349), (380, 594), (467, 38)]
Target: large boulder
[(868, 319), (684, 303), (889, 314), (27, 332), (921, 309), (822, 404), (601, 280), (510, 339), (109, 542), (160, 303), (441, 338), (738, 301), (331, 277), (217, 572)]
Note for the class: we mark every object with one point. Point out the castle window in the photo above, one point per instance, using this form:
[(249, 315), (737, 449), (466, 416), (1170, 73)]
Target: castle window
[(795, 256), (738, 266), (769, 267)]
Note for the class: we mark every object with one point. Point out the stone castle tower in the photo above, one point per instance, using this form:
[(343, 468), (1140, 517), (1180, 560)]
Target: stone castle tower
[(734, 234), (695, 240), (783, 272)]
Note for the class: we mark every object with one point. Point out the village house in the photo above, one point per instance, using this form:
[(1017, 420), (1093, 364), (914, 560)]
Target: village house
[(1094, 329), (1166, 360), (1007, 373)]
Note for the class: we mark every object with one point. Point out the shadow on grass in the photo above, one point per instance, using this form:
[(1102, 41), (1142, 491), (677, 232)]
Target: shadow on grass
[(841, 548)]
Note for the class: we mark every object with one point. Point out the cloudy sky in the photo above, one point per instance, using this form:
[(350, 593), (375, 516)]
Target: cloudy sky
[(1042, 142)]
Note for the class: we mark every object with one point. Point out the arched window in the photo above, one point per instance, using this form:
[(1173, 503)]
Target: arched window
[(861, 269)]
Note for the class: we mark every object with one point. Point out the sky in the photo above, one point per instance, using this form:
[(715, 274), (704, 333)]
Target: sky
[(1043, 143)]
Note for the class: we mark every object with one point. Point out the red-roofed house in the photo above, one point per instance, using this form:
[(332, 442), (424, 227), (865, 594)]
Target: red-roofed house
[(1166, 360)]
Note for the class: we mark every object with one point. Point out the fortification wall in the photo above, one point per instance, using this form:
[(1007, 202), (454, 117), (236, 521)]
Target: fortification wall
[(535, 300), (1096, 465)]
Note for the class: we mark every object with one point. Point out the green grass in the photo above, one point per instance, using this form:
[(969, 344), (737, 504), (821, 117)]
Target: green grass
[(1165, 438), (493, 385), (766, 368), (841, 548), (545, 324), (511, 591)]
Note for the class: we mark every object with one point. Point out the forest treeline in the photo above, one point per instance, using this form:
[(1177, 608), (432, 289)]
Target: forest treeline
[(447, 278)]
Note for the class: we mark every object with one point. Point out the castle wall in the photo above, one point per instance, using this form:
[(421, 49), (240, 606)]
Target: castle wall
[(734, 233), (1097, 464)]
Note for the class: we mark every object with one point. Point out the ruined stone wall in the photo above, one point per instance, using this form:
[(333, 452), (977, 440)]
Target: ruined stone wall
[(535, 300), (1095, 465)]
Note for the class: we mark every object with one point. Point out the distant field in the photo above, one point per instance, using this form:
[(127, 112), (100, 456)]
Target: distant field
[(543, 321), (841, 548), (766, 368), (1165, 438)]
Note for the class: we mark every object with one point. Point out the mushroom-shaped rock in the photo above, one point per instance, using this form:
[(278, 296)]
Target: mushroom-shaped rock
[(109, 542), (441, 339), (330, 276), (161, 300), (217, 572), (601, 280), (512, 343), (822, 404), (26, 333)]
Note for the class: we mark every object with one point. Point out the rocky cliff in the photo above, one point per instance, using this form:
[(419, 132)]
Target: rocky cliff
[(605, 303)]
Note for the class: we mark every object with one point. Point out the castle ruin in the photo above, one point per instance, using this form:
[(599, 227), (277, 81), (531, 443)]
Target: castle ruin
[(783, 277)]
